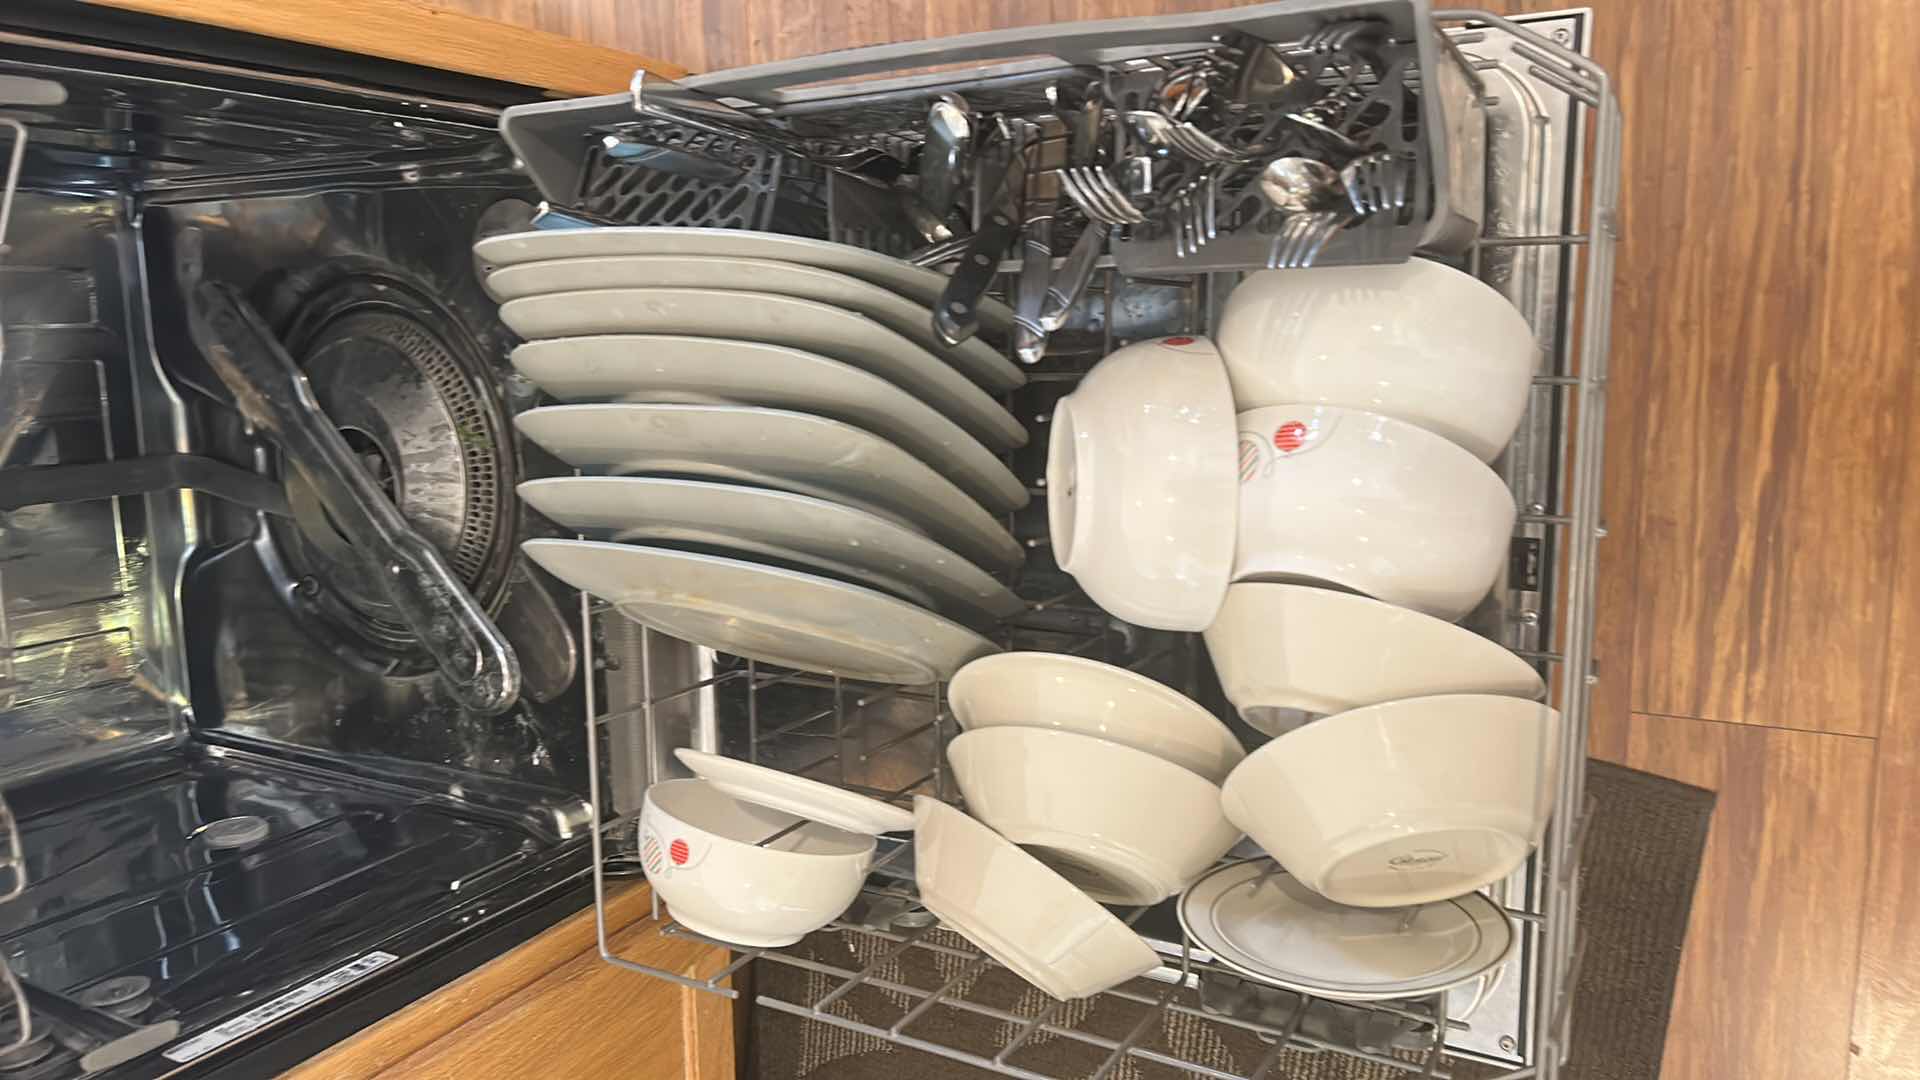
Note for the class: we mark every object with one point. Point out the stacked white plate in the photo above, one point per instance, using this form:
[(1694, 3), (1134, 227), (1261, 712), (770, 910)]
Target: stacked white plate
[(785, 463)]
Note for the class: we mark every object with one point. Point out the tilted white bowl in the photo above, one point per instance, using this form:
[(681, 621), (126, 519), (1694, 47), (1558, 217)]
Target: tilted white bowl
[(1023, 914), (1405, 802), (1073, 693), (1370, 503), (1419, 341), (698, 845), (1278, 646), (1123, 825), (1140, 494)]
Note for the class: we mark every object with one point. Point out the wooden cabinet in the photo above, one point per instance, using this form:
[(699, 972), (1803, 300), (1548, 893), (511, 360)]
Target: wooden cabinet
[(553, 1007)]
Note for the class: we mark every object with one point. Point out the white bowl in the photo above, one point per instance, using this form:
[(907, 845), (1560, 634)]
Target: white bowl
[(1123, 825), (1419, 341), (698, 846), (1140, 494), (1369, 503), (1023, 914), (1279, 646), (1406, 802), (1072, 693)]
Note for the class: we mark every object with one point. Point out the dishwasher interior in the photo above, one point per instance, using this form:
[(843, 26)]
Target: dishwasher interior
[(232, 785), (1534, 161)]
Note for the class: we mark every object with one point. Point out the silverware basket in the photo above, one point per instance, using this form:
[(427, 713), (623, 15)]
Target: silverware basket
[(1516, 135)]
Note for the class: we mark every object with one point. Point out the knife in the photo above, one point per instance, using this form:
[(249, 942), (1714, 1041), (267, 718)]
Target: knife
[(957, 317)]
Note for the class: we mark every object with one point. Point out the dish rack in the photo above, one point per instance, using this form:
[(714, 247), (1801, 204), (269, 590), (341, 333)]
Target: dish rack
[(1526, 153)]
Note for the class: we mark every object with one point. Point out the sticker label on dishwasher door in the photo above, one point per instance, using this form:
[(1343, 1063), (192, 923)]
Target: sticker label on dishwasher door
[(261, 1015)]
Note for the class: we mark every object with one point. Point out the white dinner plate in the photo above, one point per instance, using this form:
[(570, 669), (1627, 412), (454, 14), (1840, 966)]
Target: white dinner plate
[(776, 320), (1256, 918), (916, 283), (973, 357), (1073, 693), (790, 451), (696, 370), (1021, 912), (783, 617), (797, 795), (813, 533)]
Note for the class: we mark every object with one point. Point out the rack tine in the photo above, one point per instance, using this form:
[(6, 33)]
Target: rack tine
[(867, 972), (784, 830), (738, 962), (1119, 1054), (967, 972), (1026, 1032)]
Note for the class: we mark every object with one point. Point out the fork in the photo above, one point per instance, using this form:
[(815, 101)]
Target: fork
[(1341, 36), (1376, 183), (1189, 140), (1195, 218), (1098, 196), (1301, 237)]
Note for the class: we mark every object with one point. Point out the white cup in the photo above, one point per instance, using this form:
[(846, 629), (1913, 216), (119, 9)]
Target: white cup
[(1369, 503)]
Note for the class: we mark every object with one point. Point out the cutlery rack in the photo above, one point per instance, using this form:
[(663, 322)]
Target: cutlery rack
[(1549, 182)]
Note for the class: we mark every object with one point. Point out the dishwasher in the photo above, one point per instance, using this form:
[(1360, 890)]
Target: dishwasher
[(235, 791), (1520, 133)]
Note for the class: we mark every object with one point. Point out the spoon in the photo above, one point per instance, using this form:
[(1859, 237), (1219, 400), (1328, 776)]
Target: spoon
[(1296, 185)]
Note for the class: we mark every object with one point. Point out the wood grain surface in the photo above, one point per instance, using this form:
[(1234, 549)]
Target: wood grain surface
[(1776, 385), (588, 1018), (1887, 1006), (432, 35), (1766, 983), (499, 1019)]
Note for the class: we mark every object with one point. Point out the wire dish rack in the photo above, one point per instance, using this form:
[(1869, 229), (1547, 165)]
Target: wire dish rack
[(1547, 238)]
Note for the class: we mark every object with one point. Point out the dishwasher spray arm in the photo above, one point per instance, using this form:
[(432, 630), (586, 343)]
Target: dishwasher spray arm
[(476, 662)]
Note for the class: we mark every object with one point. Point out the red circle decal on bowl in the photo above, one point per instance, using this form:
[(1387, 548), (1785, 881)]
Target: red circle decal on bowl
[(1289, 436), (1176, 341), (677, 851)]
